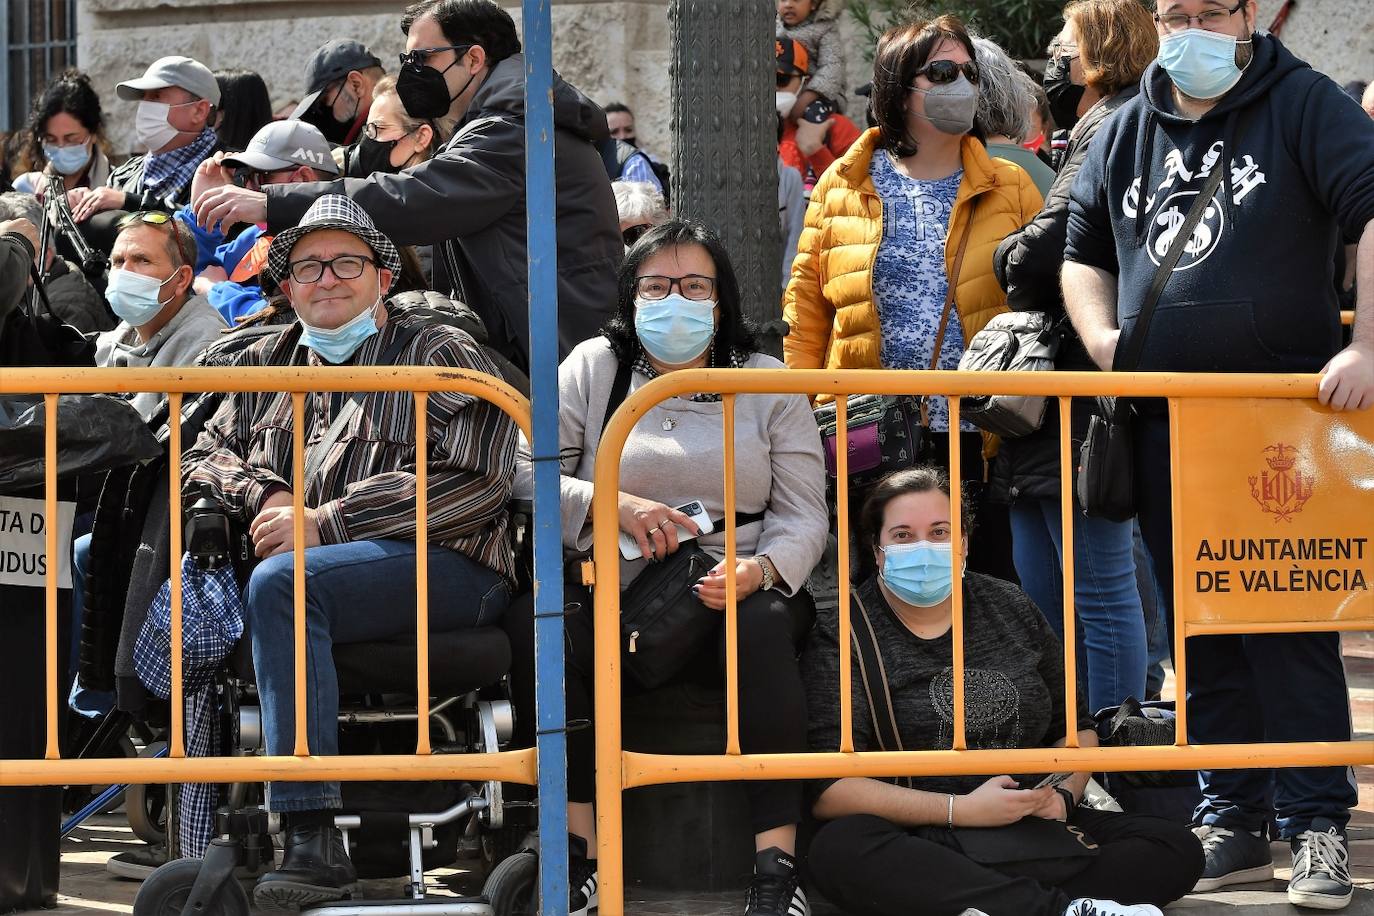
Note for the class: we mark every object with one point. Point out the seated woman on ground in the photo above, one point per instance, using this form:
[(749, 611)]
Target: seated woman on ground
[(680, 308), (905, 846)]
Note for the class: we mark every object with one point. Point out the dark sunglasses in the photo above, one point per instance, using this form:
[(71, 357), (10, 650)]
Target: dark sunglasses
[(416, 60), (161, 219), (785, 78), (632, 233), (940, 72)]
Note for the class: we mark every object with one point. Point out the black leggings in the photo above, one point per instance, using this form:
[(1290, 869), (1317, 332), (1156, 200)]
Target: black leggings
[(772, 700), (869, 866)]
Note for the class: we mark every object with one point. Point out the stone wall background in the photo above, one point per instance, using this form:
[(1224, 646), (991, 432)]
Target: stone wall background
[(613, 51)]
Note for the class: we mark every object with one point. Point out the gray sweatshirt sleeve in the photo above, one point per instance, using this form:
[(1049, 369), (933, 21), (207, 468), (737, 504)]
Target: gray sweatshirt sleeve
[(577, 446), (796, 520)]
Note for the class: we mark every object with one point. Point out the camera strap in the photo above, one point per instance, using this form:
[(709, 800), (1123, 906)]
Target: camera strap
[(315, 455)]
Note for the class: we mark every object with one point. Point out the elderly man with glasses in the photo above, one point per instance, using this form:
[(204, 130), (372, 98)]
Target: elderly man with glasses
[(360, 495)]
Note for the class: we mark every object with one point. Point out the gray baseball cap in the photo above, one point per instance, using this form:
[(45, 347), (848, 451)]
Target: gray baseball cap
[(331, 62), (182, 72), (284, 145)]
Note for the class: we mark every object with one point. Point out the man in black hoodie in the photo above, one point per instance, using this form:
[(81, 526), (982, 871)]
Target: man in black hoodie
[(463, 63), (1252, 292)]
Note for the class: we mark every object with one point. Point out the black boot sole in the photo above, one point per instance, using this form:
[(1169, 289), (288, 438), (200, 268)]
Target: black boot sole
[(292, 895)]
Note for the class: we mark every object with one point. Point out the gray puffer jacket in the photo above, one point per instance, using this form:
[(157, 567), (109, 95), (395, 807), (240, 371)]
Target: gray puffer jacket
[(76, 301), (469, 202), (820, 32)]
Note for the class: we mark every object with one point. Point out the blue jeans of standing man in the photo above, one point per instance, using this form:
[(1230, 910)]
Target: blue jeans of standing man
[(355, 592), (1247, 689), (1110, 622)]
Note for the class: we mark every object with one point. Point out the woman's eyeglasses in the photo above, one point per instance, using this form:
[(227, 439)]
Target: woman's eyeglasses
[(941, 72), (631, 234), (371, 130), (692, 286)]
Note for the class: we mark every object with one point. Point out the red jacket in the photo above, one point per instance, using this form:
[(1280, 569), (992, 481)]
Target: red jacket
[(843, 132)]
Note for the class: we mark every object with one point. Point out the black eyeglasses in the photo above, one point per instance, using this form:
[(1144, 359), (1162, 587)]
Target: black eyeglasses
[(692, 286), (416, 59), (371, 130), (940, 72), (632, 233), (1207, 19), (158, 218), (345, 267)]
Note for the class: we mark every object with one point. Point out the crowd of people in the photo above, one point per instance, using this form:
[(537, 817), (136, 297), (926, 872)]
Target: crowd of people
[(242, 238)]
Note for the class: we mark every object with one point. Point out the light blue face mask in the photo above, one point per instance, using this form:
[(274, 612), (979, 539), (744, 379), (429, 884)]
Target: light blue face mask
[(336, 345), (675, 330), (68, 160), (1202, 64), (921, 574), (133, 297)]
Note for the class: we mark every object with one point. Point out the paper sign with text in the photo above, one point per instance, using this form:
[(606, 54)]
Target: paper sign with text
[(24, 542), (1277, 520)]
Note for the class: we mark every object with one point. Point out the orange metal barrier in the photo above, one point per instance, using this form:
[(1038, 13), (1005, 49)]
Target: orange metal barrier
[(509, 766), (618, 769), (1348, 317)]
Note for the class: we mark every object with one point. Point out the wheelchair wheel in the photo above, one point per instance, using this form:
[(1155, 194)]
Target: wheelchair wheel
[(165, 891), (511, 888), (146, 807)]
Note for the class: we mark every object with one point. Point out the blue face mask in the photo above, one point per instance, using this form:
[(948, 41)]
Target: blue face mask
[(68, 160), (921, 574), (336, 345), (1202, 64), (675, 330), (133, 297)]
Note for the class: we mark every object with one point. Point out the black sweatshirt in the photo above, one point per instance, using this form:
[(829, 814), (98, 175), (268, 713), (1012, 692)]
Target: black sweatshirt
[(1253, 291)]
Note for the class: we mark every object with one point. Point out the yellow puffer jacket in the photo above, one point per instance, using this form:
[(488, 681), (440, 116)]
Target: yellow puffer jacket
[(829, 302)]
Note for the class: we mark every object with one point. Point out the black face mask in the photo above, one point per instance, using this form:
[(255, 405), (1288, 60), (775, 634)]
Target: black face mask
[(375, 156), (322, 116), (1064, 95), (424, 94)]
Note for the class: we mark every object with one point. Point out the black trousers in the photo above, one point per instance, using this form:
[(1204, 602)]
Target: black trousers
[(772, 700), (869, 866)]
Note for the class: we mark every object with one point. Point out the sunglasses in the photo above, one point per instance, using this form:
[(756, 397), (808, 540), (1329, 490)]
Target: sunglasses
[(159, 218), (785, 78), (941, 72), (416, 60)]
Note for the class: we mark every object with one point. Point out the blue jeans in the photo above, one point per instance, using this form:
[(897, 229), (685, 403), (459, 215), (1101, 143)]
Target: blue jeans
[(360, 591), (89, 703), (1110, 622), (1254, 688)]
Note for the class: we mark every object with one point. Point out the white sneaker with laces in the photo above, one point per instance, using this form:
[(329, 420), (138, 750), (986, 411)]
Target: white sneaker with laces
[(1088, 906), (1321, 868)]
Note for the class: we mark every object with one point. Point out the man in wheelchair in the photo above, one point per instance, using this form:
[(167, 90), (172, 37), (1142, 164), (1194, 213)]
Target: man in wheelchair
[(359, 525)]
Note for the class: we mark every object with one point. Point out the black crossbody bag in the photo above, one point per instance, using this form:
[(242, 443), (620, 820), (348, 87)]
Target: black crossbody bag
[(1106, 463), (1050, 852), (663, 624)]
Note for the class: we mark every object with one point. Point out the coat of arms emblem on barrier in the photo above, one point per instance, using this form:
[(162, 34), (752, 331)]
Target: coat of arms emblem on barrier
[(1283, 489)]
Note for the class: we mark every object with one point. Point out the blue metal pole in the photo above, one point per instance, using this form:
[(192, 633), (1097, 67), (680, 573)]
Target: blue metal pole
[(548, 543)]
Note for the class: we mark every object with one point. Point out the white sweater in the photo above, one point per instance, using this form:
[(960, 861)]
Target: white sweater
[(778, 465)]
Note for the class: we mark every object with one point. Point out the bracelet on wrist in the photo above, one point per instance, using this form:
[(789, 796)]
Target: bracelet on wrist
[(1069, 802), (949, 817)]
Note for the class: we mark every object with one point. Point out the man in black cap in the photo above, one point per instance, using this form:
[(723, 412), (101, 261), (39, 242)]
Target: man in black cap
[(338, 82)]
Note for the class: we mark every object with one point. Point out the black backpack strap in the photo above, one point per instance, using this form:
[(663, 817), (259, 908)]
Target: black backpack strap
[(404, 335), (873, 674), (1128, 351)]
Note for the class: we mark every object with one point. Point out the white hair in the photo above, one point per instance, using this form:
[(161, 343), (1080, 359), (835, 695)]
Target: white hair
[(17, 205), (1006, 94), (639, 202)]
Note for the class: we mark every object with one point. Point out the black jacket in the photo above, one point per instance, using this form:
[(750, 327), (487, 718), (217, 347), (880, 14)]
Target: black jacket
[(1027, 264), (469, 202)]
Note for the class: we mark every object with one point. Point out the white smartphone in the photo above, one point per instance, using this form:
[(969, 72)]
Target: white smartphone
[(629, 548)]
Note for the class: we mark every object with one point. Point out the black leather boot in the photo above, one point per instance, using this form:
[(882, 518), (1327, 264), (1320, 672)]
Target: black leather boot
[(315, 869)]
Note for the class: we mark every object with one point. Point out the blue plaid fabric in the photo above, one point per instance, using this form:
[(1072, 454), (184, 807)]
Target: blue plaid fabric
[(211, 624), (163, 174)]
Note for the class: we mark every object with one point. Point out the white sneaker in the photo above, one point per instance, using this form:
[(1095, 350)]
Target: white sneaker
[(1088, 906)]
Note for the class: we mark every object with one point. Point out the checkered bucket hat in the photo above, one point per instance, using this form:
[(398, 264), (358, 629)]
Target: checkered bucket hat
[(333, 211)]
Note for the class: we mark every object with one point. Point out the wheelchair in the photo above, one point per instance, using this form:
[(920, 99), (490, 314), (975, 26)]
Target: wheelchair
[(398, 829)]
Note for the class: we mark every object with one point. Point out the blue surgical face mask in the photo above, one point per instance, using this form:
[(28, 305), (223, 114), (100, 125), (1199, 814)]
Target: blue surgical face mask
[(133, 297), (921, 574), (675, 330), (68, 160), (336, 345), (1202, 64)]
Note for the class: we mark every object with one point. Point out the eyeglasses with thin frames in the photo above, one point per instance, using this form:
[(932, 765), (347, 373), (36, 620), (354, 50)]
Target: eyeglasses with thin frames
[(692, 286), (1211, 20)]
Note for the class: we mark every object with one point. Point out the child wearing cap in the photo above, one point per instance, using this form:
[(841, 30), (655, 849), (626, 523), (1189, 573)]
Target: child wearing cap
[(822, 135), (815, 25)]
